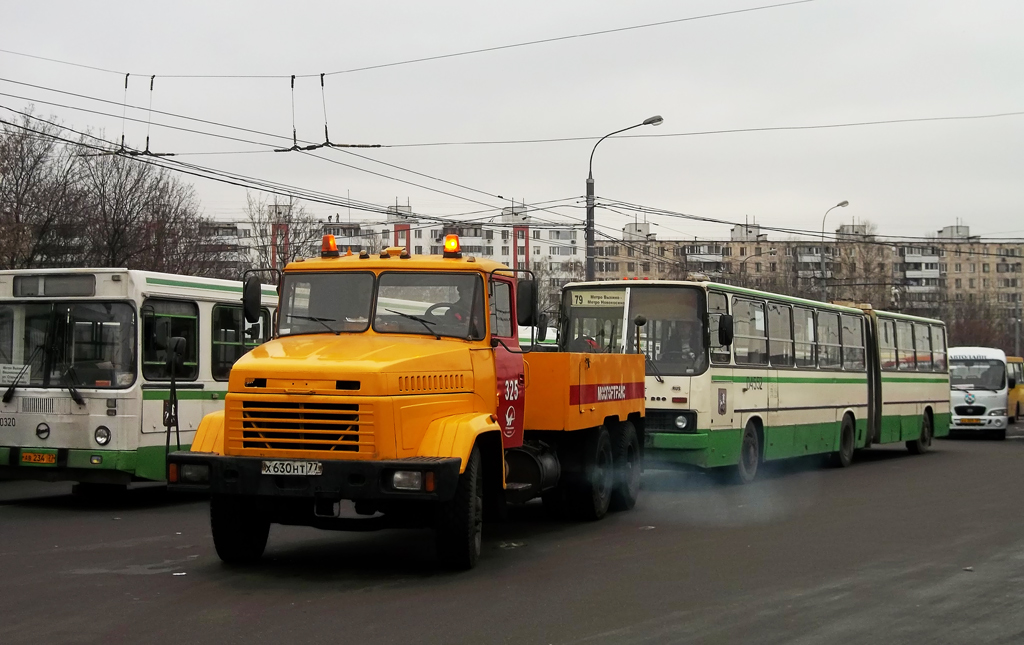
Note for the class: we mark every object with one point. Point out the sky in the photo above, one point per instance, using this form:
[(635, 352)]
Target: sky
[(820, 62)]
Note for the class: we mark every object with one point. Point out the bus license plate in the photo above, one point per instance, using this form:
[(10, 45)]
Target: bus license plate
[(38, 458), (293, 468)]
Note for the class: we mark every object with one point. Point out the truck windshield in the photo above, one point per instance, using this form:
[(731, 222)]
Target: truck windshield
[(435, 304), (966, 374), (316, 303), (57, 344)]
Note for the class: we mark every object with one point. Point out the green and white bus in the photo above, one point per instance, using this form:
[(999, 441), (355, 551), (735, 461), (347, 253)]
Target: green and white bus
[(84, 377), (736, 377)]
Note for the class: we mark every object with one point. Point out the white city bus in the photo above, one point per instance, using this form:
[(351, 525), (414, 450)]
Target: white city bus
[(979, 388), (84, 377), (736, 377)]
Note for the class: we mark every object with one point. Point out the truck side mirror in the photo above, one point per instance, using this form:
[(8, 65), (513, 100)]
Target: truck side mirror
[(542, 327), (724, 330), (526, 303), (251, 299)]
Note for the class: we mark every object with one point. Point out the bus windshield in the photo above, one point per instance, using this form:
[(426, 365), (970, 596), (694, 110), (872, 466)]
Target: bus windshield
[(672, 338), (60, 344), (977, 374)]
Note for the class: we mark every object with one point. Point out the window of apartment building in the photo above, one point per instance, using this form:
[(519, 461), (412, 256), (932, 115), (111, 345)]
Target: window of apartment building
[(646, 267), (435, 250), (435, 233), (957, 253), (661, 267), (984, 268), (611, 266), (488, 250), (757, 267), (504, 250), (504, 236), (418, 234), (661, 251), (973, 268), (727, 267), (881, 267), (757, 250), (488, 234), (631, 267), (418, 250), (520, 235), (401, 235), (984, 283), (957, 283), (630, 251), (536, 235), (789, 251), (970, 283), (957, 267), (743, 250), (772, 267), (726, 250), (521, 266), (522, 251)]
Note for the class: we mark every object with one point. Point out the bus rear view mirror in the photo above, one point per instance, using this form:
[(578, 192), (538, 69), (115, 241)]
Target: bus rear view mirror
[(251, 298), (542, 327), (725, 330)]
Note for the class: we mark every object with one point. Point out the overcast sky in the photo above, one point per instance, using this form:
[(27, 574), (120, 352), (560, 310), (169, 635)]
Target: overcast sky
[(821, 62)]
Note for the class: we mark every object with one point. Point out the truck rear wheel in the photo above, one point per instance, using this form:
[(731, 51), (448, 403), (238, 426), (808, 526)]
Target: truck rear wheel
[(459, 530), (628, 467), (239, 533), (591, 492)]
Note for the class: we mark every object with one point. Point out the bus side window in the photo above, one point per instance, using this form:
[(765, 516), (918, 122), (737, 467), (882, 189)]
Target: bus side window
[(231, 339), (184, 321), (938, 348), (923, 347), (853, 343), (803, 334), (886, 345), (904, 345), (780, 334), (751, 332), (829, 349), (718, 304)]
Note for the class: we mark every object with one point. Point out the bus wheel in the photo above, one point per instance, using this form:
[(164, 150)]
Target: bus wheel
[(922, 443), (460, 521), (750, 455), (1000, 435), (239, 533), (847, 436), (628, 467), (591, 493)]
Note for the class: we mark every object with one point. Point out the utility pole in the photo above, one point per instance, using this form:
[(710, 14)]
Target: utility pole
[(824, 284)]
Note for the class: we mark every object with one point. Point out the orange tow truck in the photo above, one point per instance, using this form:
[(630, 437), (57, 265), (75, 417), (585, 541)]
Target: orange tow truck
[(396, 394)]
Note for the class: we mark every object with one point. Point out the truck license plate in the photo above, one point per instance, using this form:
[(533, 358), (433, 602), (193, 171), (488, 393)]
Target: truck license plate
[(293, 468)]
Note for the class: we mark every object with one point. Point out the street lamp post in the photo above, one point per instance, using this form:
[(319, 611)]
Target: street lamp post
[(591, 251), (824, 286)]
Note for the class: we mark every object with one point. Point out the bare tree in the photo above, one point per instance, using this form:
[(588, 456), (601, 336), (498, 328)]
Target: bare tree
[(282, 230), (40, 199)]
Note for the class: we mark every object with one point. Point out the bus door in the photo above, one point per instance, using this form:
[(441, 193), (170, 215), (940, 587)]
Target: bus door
[(874, 380), (720, 397)]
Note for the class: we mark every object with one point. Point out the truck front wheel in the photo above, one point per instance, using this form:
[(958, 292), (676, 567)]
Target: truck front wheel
[(239, 532), (460, 521)]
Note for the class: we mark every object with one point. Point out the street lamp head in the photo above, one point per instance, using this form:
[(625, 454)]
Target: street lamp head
[(843, 204), (654, 120)]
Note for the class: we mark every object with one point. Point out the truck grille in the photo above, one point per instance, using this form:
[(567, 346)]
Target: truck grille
[(969, 410), (287, 424)]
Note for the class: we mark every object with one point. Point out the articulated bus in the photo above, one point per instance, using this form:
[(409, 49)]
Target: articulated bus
[(84, 377), (736, 377)]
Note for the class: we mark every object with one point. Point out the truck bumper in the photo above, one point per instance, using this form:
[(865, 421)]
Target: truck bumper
[(358, 481)]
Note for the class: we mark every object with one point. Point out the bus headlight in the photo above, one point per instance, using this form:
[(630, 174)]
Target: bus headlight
[(1001, 412), (102, 435), (681, 422), (42, 431)]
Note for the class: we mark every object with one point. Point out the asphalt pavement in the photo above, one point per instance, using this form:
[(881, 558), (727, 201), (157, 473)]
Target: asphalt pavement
[(895, 549)]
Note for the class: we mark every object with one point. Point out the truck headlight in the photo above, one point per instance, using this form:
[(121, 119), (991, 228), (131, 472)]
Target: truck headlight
[(407, 480), (102, 435), (194, 473), (1000, 412)]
